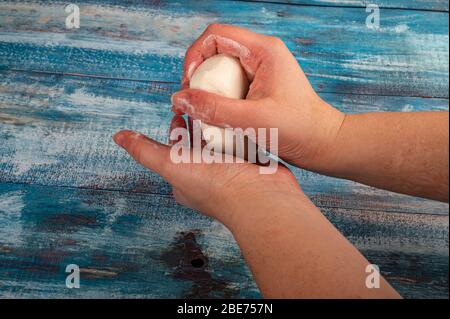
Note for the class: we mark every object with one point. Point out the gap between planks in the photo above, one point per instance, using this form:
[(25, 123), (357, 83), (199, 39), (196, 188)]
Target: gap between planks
[(91, 76), (339, 6), (166, 195)]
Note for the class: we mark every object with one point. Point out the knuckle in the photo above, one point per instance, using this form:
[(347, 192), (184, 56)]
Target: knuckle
[(192, 51), (212, 110), (205, 106), (138, 155), (188, 54), (195, 97), (214, 27), (135, 147), (276, 42)]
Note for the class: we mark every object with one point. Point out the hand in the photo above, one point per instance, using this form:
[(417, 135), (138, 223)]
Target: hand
[(291, 248), (216, 190), (283, 236), (280, 95)]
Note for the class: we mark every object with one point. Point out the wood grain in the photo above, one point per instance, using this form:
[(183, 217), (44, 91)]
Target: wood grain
[(69, 195), (126, 246), (408, 56), (52, 124), (433, 5)]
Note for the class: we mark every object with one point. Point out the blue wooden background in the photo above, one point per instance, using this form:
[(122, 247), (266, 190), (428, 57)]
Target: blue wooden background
[(69, 195)]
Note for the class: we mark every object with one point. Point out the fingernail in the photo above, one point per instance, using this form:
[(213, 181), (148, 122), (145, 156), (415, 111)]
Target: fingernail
[(119, 138), (180, 101), (177, 111)]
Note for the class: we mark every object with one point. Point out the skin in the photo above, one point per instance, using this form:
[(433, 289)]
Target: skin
[(291, 248), (402, 152)]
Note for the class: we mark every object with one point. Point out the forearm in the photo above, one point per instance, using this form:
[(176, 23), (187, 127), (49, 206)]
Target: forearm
[(401, 152), (294, 252)]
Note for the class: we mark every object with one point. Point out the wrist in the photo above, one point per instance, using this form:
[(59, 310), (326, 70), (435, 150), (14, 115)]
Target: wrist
[(242, 211), (328, 122)]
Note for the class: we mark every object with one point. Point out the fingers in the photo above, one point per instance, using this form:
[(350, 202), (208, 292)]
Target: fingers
[(218, 110), (218, 38), (147, 152), (192, 59), (177, 122)]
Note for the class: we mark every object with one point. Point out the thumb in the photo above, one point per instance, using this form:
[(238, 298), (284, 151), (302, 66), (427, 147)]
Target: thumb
[(218, 110), (148, 153)]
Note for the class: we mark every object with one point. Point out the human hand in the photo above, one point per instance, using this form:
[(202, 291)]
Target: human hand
[(269, 216), (218, 189), (280, 96)]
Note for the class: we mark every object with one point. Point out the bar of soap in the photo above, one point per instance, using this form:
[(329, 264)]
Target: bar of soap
[(221, 74)]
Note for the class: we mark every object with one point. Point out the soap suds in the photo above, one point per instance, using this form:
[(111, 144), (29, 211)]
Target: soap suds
[(188, 107), (237, 50)]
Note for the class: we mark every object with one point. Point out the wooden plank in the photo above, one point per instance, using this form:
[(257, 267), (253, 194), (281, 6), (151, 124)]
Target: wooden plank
[(408, 56), (432, 5), (56, 130), (123, 244), (126, 247), (388, 240), (429, 5)]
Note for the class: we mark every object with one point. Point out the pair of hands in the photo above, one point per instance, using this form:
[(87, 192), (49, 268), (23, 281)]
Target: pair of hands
[(279, 96), (401, 152)]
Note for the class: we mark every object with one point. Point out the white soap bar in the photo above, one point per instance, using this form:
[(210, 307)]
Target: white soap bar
[(221, 74)]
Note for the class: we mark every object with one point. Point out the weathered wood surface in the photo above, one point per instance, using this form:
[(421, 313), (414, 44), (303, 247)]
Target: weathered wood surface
[(433, 5), (69, 195), (52, 124), (408, 56), (129, 244)]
